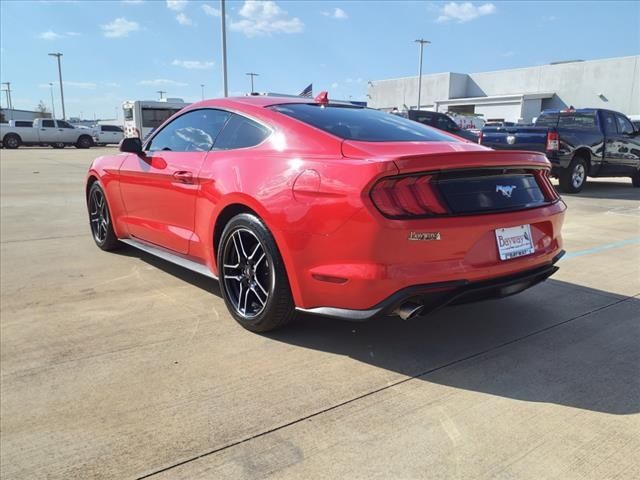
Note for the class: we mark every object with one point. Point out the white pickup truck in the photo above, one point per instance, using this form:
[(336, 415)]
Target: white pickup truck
[(45, 131)]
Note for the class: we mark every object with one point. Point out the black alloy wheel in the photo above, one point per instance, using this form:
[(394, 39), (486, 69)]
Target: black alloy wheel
[(253, 279), (100, 219)]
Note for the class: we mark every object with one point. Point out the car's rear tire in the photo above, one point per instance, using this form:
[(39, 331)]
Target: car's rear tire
[(574, 177), (635, 179), (85, 141), (11, 140), (100, 219), (253, 278)]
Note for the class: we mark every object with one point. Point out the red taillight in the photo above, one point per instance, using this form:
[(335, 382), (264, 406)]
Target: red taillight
[(407, 197), (553, 142)]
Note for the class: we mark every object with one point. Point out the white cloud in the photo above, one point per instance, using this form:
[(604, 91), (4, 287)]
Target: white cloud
[(211, 11), (551, 18), (265, 18), (112, 84), (120, 27), (464, 12), (335, 85), (177, 5), (161, 82), (183, 19), (49, 35), (133, 1), (84, 85), (337, 13), (508, 53), (192, 64)]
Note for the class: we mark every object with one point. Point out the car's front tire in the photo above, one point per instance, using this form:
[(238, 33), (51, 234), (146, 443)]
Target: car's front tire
[(253, 278), (100, 219), (574, 177)]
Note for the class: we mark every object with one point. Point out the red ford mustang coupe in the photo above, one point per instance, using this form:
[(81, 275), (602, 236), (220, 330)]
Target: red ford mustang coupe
[(328, 208)]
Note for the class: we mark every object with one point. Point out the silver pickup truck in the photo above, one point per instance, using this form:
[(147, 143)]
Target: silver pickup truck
[(45, 131)]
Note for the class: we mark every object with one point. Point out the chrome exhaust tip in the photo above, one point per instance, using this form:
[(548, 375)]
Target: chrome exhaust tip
[(408, 310)]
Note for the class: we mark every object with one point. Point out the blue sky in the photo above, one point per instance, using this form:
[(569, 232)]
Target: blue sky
[(119, 50)]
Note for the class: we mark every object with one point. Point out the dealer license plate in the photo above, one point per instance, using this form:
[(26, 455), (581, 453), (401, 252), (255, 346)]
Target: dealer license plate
[(514, 242)]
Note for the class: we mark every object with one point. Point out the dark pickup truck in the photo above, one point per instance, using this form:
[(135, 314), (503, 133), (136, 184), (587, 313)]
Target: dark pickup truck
[(578, 143)]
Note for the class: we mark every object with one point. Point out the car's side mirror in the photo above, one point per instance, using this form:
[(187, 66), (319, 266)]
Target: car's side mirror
[(131, 145)]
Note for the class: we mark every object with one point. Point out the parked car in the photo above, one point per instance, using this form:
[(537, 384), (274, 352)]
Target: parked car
[(45, 131), (441, 122), (328, 208), (635, 119), (579, 143), (106, 134)]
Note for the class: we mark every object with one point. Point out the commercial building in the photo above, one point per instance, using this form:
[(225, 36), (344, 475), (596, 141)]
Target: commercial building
[(7, 114), (519, 94)]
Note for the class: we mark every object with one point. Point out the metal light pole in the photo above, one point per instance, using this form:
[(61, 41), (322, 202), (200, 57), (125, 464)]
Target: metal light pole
[(421, 42), (161, 92), (202, 88), (224, 50), (58, 55), (53, 105), (8, 92), (251, 74)]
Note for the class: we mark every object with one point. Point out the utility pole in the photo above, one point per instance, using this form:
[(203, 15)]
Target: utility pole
[(58, 55), (421, 42), (202, 88), (225, 88), (251, 74), (161, 92), (9, 100), (53, 105)]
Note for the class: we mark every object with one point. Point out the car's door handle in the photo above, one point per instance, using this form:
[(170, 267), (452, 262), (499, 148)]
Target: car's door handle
[(183, 176)]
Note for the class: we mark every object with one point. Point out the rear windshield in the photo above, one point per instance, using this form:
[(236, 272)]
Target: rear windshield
[(547, 120), (578, 121), (361, 124)]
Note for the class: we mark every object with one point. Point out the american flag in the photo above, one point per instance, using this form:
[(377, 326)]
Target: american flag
[(307, 92)]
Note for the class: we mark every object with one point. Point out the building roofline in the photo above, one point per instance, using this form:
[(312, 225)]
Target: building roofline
[(507, 69)]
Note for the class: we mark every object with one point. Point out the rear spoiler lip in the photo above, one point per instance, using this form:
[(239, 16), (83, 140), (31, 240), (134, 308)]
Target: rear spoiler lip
[(471, 160)]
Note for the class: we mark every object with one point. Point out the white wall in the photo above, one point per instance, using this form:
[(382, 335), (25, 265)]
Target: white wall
[(577, 84)]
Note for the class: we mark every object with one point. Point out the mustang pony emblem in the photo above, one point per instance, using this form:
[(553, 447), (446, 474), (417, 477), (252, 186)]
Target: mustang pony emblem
[(505, 190)]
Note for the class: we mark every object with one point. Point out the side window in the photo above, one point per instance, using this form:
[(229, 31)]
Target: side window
[(445, 123), (194, 131), (609, 123), (48, 124), (63, 124), (240, 132), (624, 125)]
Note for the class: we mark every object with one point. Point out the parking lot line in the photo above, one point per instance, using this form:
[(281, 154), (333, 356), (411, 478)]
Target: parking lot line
[(601, 248)]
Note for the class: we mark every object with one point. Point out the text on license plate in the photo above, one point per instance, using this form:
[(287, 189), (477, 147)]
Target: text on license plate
[(514, 242)]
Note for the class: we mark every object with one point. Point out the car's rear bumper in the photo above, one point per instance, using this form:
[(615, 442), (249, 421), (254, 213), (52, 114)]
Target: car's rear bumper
[(436, 295)]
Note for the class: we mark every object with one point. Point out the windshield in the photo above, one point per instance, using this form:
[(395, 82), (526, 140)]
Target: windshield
[(128, 113), (361, 124)]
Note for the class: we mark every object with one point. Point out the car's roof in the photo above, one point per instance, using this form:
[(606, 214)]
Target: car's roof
[(261, 101)]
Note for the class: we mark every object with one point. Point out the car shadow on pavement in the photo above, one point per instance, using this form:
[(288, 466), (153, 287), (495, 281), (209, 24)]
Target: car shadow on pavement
[(522, 347), (558, 343)]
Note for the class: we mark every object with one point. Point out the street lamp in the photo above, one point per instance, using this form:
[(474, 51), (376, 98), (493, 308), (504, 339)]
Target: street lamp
[(251, 74), (53, 105), (161, 92), (421, 42), (202, 88), (58, 55)]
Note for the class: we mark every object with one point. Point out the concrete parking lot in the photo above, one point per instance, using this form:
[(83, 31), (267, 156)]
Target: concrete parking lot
[(118, 365)]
